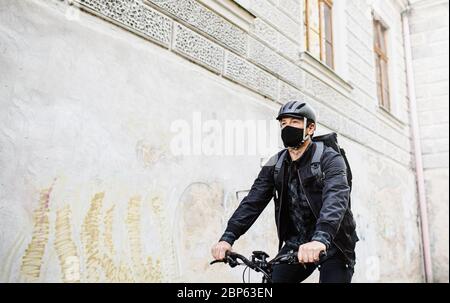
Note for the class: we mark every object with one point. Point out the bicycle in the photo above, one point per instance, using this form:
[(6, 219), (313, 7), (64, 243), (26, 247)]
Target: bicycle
[(259, 262)]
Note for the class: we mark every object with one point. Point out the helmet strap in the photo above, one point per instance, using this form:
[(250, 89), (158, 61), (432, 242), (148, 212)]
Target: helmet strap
[(305, 136)]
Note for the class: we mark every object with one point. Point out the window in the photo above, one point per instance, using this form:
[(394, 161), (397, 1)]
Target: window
[(381, 63), (319, 29)]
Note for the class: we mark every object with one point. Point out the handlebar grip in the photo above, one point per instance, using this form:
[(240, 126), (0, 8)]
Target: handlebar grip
[(322, 254), (229, 253)]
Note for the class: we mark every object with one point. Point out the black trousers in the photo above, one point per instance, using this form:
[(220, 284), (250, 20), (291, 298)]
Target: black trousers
[(334, 269)]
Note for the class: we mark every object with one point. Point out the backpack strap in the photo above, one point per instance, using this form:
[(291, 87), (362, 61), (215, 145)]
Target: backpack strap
[(315, 162), (349, 171), (277, 168)]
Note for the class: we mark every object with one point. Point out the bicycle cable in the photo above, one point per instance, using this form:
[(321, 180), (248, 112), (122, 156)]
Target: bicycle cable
[(243, 274)]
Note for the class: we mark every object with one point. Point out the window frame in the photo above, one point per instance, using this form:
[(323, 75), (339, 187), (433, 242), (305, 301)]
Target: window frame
[(382, 77), (323, 41)]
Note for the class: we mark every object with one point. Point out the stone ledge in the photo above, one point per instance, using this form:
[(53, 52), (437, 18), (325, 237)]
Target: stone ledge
[(391, 116), (310, 64)]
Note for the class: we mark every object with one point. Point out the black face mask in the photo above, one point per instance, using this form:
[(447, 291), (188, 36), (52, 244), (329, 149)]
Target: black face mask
[(292, 136)]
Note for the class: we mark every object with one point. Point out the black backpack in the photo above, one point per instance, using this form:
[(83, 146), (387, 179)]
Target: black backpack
[(321, 142)]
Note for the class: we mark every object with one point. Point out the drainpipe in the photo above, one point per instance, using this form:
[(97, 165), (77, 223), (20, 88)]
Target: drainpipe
[(417, 147)]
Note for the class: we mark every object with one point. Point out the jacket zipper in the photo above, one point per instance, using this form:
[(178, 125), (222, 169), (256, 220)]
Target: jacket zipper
[(280, 198), (306, 196)]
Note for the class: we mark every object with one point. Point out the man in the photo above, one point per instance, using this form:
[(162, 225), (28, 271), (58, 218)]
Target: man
[(312, 215)]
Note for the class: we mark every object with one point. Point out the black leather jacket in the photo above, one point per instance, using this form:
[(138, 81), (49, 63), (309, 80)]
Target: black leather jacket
[(328, 199)]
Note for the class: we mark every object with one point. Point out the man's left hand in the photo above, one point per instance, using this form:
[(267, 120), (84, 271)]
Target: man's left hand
[(310, 252)]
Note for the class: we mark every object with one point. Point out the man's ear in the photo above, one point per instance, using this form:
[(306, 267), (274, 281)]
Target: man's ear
[(312, 127)]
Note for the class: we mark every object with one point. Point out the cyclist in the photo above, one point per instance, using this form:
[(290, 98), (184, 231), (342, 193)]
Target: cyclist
[(312, 215)]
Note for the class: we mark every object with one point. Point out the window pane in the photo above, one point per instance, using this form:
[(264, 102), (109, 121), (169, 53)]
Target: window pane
[(304, 12), (322, 29), (381, 64), (313, 10), (380, 94), (305, 21), (384, 71), (329, 54), (319, 30), (385, 80), (305, 35), (314, 44), (376, 38), (382, 38), (378, 68), (327, 37), (327, 23), (378, 79), (386, 102)]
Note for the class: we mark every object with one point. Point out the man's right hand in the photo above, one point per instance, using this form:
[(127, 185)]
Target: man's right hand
[(219, 249)]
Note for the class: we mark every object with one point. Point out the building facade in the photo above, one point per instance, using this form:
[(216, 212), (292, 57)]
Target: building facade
[(93, 93), (429, 47)]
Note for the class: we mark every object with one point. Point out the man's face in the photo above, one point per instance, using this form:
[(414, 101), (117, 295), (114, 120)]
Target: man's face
[(296, 122)]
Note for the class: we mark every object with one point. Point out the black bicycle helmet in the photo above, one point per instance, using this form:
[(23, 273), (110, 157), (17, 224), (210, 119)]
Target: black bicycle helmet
[(297, 109)]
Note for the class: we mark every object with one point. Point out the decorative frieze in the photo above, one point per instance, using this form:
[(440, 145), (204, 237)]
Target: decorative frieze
[(206, 21), (134, 15), (246, 73), (198, 48)]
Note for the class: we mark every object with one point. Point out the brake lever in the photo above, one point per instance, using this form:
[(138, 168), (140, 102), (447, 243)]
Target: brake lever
[(216, 261), (228, 260), (232, 262)]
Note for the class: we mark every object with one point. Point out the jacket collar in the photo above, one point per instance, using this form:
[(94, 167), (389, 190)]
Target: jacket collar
[(305, 158)]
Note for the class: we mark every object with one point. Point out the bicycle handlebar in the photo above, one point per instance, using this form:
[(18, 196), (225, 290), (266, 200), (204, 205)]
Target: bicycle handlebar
[(259, 262), (232, 258)]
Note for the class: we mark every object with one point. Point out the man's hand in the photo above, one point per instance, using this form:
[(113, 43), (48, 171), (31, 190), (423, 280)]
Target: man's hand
[(218, 250), (309, 252)]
